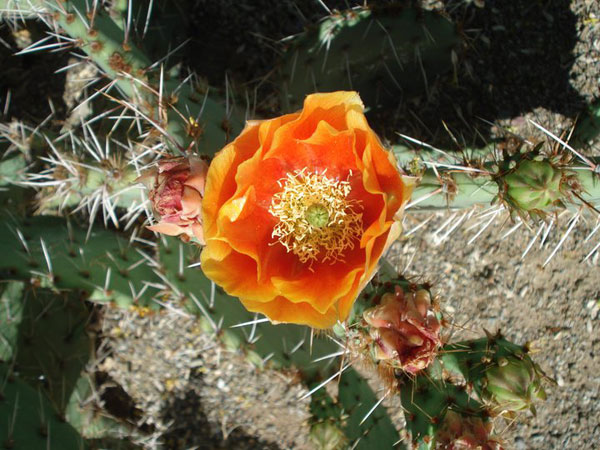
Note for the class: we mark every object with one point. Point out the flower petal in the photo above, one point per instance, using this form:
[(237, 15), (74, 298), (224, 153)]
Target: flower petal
[(322, 289), (282, 310), (170, 229), (241, 273)]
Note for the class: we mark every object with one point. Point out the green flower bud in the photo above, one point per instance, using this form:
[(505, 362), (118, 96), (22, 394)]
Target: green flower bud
[(327, 436), (534, 185), (513, 384)]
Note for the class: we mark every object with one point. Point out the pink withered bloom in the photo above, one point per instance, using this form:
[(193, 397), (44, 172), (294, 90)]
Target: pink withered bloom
[(176, 195), (405, 330), (459, 432)]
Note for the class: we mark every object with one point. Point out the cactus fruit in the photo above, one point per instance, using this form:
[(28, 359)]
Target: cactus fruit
[(327, 436), (534, 185), (177, 187), (396, 325), (384, 54), (327, 422), (461, 432), (404, 329), (513, 385)]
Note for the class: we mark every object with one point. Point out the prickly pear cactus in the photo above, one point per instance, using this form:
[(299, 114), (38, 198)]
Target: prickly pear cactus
[(58, 273), (368, 424), (10, 302), (327, 422), (54, 344), (427, 402)]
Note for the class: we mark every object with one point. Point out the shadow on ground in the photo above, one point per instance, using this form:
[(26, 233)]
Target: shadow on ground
[(191, 428), (516, 57)]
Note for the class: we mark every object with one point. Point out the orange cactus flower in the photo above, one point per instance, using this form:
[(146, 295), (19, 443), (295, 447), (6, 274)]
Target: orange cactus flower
[(298, 210)]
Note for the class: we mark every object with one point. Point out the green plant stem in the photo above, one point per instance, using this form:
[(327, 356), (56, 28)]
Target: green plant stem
[(443, 187)]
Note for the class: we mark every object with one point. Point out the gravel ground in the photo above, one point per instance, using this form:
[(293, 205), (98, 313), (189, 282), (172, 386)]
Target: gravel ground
[(555, 307), (196, 395)]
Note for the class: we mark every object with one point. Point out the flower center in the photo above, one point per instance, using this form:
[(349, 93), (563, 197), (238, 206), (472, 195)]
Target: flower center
[(317, 215), (317, 221)]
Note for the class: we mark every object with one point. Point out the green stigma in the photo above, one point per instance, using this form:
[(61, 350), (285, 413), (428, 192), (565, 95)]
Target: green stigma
[(317, 215)]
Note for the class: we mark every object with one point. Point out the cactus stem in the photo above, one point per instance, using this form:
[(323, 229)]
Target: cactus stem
[(383, 397), (328, 380)]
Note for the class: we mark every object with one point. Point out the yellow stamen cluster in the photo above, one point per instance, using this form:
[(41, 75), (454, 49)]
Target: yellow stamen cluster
[(316, 219)]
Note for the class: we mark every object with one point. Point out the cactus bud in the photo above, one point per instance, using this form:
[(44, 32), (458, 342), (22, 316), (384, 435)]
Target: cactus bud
[(534, 185), (513, 384), (327, 436), (459, 432), (176, 196), (404, 329)]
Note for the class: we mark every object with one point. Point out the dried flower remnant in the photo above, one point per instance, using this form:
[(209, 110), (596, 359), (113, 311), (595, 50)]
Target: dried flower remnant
[(176, 196), (461, 432), (405, 330)]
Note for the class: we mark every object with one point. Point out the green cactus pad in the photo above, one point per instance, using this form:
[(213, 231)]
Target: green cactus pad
[(28, 421), (357, 399), (12, 169), (426, 401), (91, 421), (385, 55), (11, 313), (588, 127), (53, 345), (106, 267)]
